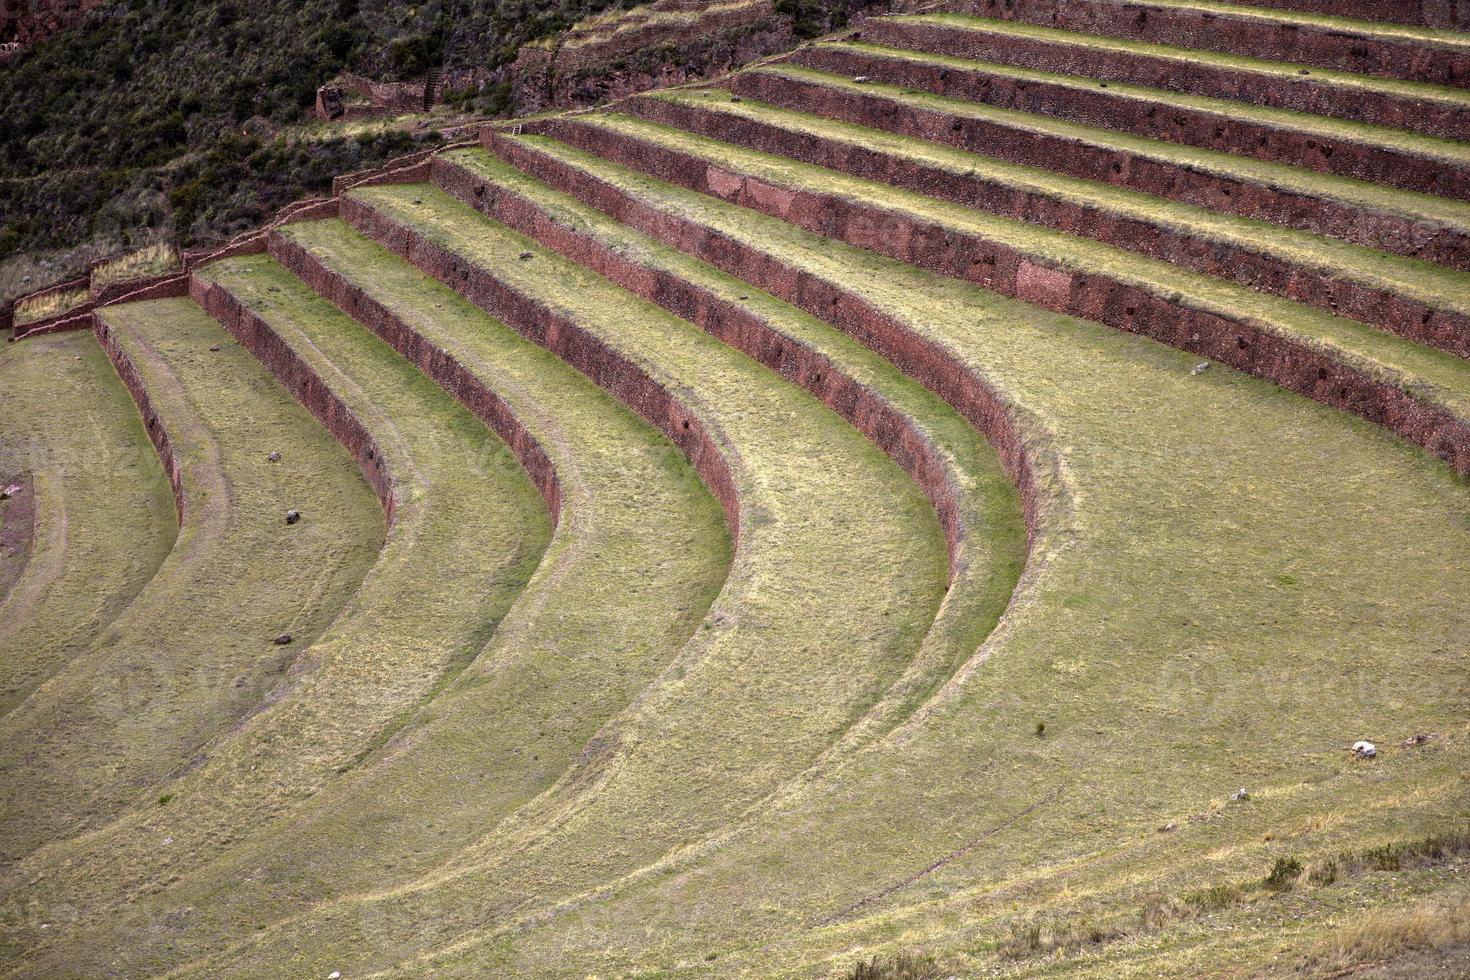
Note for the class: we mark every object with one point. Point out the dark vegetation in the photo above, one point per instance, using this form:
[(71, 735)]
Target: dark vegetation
[(904, 966), (160, 118), (1044, 936)]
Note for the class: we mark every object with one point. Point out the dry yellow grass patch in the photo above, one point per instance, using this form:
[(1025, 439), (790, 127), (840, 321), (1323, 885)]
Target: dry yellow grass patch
[(31, 310), (1384, 934), (149, 261)]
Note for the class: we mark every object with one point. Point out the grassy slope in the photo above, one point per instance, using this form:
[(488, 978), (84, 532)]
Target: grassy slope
[(824, 607), (1426, 282), (469, 532), (1201, 580), (639, 554), (193, 652), (1440, 378), (104, 513)]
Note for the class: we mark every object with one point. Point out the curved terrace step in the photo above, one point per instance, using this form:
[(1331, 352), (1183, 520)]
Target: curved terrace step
[(1217, 545), (1419, 300), (1402, 222), (1363, 151), (965, 483), (638, 554), (194, 652), (823, 610), (1435, 110), (1325, 40), (100, 513), (1424, 13), (1422, 394), (1420, 13), (467, 531)]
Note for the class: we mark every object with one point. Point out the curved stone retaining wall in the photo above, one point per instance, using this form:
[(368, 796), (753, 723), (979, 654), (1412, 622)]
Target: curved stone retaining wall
[(736, 326), (1232, 342), (1445, 329), (299, 378), (569, 341), (924, 361), (438, 364)]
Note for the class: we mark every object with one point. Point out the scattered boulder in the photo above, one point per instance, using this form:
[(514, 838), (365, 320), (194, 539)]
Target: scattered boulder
[(283, 640), (292, 516), (525, 256), (1240, 794), (1169, 827), (273, 457), (10, 491), (214, 347), (862, 79), (1364, 750), (1414, 741), (1200, 368)]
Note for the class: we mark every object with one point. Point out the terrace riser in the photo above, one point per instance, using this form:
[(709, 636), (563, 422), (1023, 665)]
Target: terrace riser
[(926, 363), (1338, 48), (574, 345), (1156, 120), (1423, 13), (437, 364), (127, 372), (302, 381), (1299, 92), (1234, 343), (1388, 232), (735, 326), (1447, 331)]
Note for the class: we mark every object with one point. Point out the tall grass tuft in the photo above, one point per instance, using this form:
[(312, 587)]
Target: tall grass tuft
[(150, 261)]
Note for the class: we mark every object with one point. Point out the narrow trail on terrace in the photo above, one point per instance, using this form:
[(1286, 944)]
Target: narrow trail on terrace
[(104, 520), (193, 652)]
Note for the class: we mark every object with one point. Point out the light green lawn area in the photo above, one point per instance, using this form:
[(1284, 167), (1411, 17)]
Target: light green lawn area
[(104, 515), (1432, 209), (193, 653), (1424, 282), (838, 576), (1443, 95), (1326, 127), (469, 531), (1438, 378), (1231, 584), (637, 557)]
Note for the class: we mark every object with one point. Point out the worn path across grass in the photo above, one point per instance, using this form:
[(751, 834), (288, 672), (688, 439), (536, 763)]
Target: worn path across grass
[(194, 652), (103, 518)]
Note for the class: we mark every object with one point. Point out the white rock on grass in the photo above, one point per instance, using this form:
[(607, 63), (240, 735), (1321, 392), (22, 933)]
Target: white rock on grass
[(1364, 750)]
